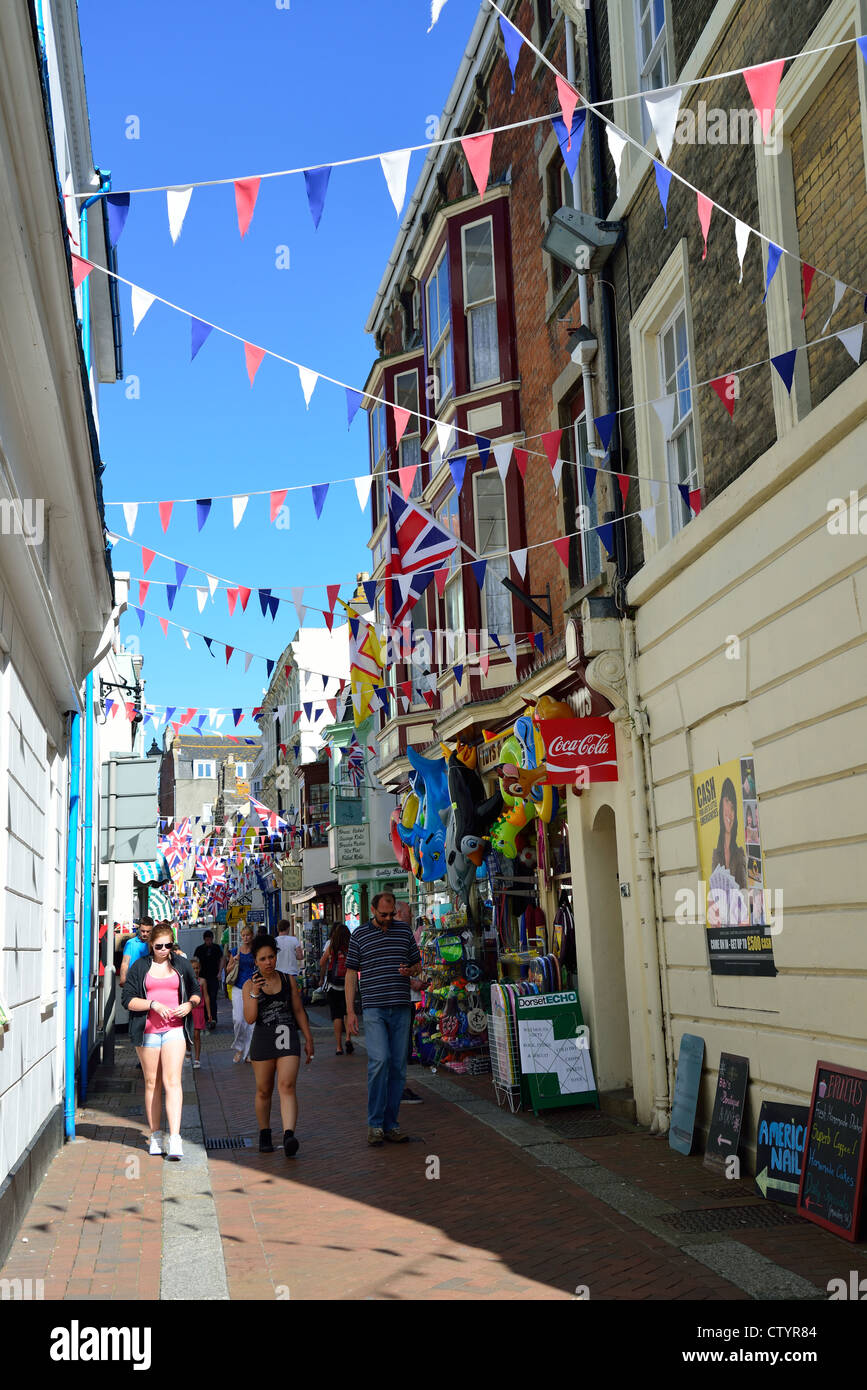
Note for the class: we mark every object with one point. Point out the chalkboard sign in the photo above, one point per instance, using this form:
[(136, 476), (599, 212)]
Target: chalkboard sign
[(728, 1110), (686, 1087), (832, 1173), (780, 1140)]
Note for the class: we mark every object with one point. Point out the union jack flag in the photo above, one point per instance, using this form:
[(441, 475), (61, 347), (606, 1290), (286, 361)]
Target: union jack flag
[(268, 817), (417, 545), (210, 868), (176, 845), (353, 756)]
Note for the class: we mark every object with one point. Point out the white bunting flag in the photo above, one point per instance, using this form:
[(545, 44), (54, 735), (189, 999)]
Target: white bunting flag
[(520, 559), (648, 516), (239, 506), (839, 291), (308, 382), (512, 650), (362, 488), (130, 512), (436, 7), (212, 584), (851, 338), (557, 473), (616, 145), (141, 300), (177, 202), (298, 600), (742, 236), (665, 412), (201, 597), (248, 657), (655, 485), (212, 714), (502, 458), (281, 712), (445, 435), (395, 166), (662, 108), (373, 702), (219, 721), (185, 633)]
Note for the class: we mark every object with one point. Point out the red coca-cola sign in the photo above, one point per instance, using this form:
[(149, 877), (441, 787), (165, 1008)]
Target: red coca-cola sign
[(579, 750)]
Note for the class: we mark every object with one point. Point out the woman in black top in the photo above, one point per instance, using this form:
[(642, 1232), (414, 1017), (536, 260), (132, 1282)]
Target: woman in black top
[(272, 1002)]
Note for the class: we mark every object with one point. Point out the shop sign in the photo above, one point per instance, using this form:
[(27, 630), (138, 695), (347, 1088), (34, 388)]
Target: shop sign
[(579, 751), (352, 847), (832, 1169), (292, 878), (348, 810)]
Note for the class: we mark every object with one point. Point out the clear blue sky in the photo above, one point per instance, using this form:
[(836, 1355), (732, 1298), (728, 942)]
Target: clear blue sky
[(223, 89)]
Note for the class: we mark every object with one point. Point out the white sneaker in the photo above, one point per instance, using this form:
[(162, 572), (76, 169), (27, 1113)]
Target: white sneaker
[(196, 1065), (156, 1144), (176, 1147)]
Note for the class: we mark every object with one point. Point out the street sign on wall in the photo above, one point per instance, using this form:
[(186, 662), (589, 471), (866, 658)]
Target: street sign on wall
[(129, 810)]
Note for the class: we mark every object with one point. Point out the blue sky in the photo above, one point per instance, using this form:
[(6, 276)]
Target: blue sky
[(227, 90)]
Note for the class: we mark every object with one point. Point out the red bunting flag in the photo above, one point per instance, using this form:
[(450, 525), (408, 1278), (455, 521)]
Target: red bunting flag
[(562, 548), (188, 717), (244, 595), (229, 651), (705, 208), (406, 477), (329, 620), (246, 193), (253, 356), (484, 664), (725, 389), (429, 699), (296, 716), (568, 99), (623, 484), (147, 558), (551, 444), (406, 689), (165, 510), (332, 708), (440, 577), (130, 709), (283, 749), (143, 586), (763, 84), (807, 273), (695, 500), (332, 590), (80, 270), (277, 500), (521, 458), (477, 150), (164, 624), (401, 420), (286, 670), (232, 596), (176, 727)]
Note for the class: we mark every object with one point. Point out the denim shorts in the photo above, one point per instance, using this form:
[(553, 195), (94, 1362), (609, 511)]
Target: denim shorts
[(157, 1039)]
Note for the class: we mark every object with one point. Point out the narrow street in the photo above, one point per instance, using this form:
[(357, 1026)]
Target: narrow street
[(523, 1208)]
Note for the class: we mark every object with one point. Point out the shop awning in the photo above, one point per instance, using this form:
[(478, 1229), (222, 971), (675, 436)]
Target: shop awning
[(306, 897)]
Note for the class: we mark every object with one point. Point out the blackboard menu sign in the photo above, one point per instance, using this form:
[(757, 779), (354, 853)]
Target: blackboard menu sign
[(832, 1172), (728, 1110), (686, 1087), (780, 1141)]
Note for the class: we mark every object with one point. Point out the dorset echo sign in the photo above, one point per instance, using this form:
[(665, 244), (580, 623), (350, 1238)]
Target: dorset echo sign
[(579, 750)]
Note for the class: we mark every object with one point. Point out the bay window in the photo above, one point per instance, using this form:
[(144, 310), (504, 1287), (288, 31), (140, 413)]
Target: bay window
[(480, 302), (493, 544), (439, 329)]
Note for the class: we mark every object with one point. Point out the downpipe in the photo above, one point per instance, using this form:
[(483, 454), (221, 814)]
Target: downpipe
[(87, 893), (69, 920)]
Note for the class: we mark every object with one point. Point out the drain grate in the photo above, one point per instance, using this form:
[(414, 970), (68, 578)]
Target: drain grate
[(731, 1218), (229, 1141), (580, 1124)]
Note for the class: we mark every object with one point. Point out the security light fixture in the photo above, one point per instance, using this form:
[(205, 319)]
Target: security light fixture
[(580, 241)]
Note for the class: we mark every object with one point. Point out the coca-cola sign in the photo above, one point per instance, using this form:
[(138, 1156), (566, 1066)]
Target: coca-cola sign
[(579, 751)]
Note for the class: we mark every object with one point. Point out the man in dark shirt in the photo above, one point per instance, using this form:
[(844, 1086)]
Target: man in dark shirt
[(210, 957), (384, 952)]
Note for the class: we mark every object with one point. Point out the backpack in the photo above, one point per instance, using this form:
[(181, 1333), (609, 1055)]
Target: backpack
[(337, 967)]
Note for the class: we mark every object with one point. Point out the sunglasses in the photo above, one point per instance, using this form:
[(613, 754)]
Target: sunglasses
[(163, 945)]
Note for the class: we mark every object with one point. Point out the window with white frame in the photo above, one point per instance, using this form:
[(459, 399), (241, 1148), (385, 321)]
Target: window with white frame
[(421, 655), (652, 51), (480, 301), (241, 771), (676, 379), (203, 768), (453, 597), (439, 329), (492, 543), (558, 194), (589, 543), (409, 452), (377, 456)]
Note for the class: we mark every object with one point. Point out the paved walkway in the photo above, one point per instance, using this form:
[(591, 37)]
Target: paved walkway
[(480, 1204)]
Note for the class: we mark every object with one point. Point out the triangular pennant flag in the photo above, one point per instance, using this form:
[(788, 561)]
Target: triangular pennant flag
[(445, 436), (80, 270), (663, 183), (332, 591), (852, 338), (705, 208), (165, 511), (862, 44), (353, 401), (742, 236), (459, 673), (320, 492), (212, 584), (695, 500), (171, 595), (513, 40), (484, 663), (683, 489), (141, 616), (478, 568), (298, 600), (503, 458), (164, 624), (296, 716), (307, 707), (229, 651), (140, 301), (763, 84), (440, 577), (244, 595), (239, 506), (570, 140), (605, 427), (519, 559), (477, 151), (725, 389), (589, 478), (395, 167), (512, 651), (308, 379), (557, 474), (662, 108), (648, 516), (147, 558), (118, 211), (623, 484), (551, 444), (665, 414), (568, 99), (329, 620), (246, 193), (316, 181), (522, 458), (655, 488), (130, 512), (273, 607), (484, 447), (264, 596), (606, 535), (562, 548), (201, 598), (199, 331), (839, 291), (401, 420), (616, 146), (774, 254), (436, 9), (458, 467), (253, 357), (362, 488), (237, 715), (180, 573), (406, 477), (232, 596), (539, 641), (207, 641), (277, 499), (269, 666), (143, 586), (785, 365), (203, 508), (807, 274), (369, 587), (177, 202)]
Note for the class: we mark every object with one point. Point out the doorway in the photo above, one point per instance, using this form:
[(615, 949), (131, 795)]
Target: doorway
[(611, 1045)]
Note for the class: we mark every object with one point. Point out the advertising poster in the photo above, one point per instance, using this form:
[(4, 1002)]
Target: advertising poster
[(732, 870)]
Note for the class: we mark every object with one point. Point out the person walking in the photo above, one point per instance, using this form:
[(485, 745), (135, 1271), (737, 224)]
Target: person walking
[(160, 994), (201, 1013), (290, 952), (210, 959), (244, 969), (332, 967), (135, 948), (383, 951), (275, 1013)]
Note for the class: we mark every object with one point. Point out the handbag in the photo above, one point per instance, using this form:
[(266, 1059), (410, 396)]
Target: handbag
[(232, 970)]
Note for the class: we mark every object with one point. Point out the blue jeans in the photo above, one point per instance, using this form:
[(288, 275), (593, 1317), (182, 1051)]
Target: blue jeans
[(386, 1033)]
